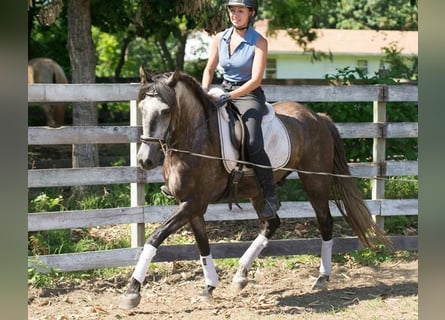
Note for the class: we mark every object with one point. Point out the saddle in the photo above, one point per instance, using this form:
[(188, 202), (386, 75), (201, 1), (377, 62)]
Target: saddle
[(276, 143)]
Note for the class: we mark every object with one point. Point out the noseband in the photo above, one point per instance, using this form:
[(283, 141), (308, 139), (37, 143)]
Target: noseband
[(150, 140)]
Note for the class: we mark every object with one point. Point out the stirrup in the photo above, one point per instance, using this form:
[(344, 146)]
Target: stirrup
[(166, 192), (271, 206)]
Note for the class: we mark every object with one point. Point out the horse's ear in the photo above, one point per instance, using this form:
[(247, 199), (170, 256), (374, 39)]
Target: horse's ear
[(143, 75), (174, 78)]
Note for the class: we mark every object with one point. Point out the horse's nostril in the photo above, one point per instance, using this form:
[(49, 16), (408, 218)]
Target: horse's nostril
[(146, 164)]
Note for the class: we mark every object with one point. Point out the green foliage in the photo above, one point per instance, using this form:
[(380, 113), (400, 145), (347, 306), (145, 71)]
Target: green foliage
[(39, 279), (154, 196), (107, 47), (50, 242), (399, 224), (112, 196), (45, 203), (367, 257), (361, 149), (305, 16), (195, 68), (292, 190), (374, 14), (402, 187), (49, 40), (67, 241), (400, 68)]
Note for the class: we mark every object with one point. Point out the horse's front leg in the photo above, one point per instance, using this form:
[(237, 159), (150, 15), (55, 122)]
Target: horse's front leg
[(210, 276), (240, 279), (178, 219)]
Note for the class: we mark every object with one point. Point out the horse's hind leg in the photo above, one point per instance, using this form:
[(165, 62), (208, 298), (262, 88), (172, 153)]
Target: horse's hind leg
[(317, 190), (59, 115), (48, 110), (240, 278), (211, 277)]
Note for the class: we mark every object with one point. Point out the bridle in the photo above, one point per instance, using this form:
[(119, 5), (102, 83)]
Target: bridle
[(163, 142), (151, 140)]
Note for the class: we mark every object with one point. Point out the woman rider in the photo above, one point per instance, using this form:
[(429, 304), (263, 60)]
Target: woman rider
[(241, 52)]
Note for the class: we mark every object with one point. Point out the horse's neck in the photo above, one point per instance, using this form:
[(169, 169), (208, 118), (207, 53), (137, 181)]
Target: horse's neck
[(191, 130)]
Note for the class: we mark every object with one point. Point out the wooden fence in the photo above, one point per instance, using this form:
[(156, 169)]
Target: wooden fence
[(138, 214)]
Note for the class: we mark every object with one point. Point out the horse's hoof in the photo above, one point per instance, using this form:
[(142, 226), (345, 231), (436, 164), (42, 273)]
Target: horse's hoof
[(238, 286), (239, 283), (205, 296), (130, 300), (240, 280), (321, 283)]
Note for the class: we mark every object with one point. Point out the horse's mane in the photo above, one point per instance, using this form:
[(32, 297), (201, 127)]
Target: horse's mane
[(159, 85), (196, 90)]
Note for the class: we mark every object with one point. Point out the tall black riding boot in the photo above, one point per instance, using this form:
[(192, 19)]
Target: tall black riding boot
[(271, 202)]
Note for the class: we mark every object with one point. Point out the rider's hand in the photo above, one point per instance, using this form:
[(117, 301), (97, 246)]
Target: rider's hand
[(222, 100)]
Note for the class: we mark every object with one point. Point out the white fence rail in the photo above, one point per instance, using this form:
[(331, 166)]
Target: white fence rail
[(139, 214)]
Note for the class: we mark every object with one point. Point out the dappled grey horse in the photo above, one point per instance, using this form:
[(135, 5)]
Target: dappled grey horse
[(179, 120)]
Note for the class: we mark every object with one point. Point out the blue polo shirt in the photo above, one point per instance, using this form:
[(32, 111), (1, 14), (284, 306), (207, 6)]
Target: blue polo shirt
[(238, 66)]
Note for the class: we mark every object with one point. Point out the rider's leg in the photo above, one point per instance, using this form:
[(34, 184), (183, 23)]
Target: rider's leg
[(256, 154)]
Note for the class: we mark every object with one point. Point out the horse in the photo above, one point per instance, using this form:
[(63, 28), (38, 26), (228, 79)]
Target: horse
[(46, 70), (180, 121)]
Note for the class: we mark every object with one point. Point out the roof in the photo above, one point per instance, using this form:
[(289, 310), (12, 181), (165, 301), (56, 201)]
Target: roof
[(342, 41)]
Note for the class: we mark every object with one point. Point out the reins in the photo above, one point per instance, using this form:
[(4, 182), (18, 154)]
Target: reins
[(166, 148)]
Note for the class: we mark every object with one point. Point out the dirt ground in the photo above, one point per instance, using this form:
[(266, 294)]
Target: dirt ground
[(389, 291)]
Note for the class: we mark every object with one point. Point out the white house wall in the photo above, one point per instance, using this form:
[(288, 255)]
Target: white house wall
[(301, 66)]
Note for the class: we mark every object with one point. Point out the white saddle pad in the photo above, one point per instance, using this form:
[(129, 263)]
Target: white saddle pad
[(276, 139)]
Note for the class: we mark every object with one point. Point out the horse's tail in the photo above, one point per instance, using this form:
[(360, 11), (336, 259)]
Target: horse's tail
[(30, 74), (349, 199), (58, 74)]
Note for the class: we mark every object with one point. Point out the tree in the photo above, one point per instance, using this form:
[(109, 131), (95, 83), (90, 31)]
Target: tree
[(375, 14), (81, 52), (83, 64), (164, 25)]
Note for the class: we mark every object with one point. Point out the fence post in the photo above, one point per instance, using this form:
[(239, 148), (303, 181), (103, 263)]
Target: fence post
[(137, 189), (379, 152)]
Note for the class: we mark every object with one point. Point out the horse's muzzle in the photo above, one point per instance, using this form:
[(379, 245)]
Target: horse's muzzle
[(148, 156)]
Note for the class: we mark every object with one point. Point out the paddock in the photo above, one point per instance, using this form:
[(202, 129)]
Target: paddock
[(138, 213)]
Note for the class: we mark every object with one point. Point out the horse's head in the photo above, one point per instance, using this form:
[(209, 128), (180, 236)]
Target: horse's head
[(156, 101)]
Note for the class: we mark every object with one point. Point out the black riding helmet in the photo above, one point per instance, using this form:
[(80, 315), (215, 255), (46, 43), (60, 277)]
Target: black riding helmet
[(252, 4), (244, 3)]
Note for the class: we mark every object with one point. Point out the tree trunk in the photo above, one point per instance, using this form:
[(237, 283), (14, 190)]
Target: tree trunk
[(83, 64), (182, 40)]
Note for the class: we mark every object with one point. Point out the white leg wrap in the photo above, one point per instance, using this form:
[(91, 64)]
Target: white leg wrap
[(144, 260), (210, 276), (326, 258), (253, 251)]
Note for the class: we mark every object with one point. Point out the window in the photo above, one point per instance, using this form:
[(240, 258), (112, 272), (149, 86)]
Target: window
[(271, 69), (362, 65)]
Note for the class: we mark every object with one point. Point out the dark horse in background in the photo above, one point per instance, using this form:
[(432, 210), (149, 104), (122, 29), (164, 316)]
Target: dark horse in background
[(45, 70), (178, 119)]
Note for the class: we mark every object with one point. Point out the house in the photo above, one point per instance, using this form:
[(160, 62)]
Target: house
[(363, 49)]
